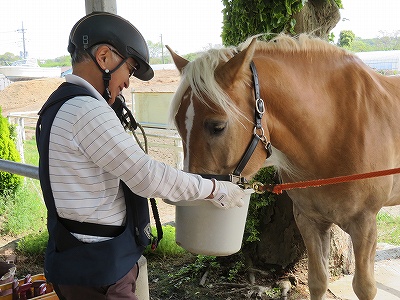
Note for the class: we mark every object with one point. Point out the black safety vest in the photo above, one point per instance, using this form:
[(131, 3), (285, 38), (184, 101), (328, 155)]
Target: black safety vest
[(68, 260)]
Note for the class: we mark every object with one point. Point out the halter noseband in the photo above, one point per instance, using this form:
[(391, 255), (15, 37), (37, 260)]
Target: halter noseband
[(258, 135)]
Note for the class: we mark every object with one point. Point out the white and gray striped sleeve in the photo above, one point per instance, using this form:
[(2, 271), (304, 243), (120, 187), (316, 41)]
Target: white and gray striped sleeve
[(100, 136)]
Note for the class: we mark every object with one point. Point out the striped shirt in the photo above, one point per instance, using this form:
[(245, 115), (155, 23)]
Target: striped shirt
[(90, 152)]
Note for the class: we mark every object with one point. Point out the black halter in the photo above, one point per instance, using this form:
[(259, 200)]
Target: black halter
[(258, 135)]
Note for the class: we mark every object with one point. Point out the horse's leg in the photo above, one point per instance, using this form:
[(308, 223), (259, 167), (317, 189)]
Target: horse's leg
[(363, 234), (316, 238)]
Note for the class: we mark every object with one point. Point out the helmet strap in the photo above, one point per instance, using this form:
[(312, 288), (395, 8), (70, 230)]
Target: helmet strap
[(106, 79), (107, 76)]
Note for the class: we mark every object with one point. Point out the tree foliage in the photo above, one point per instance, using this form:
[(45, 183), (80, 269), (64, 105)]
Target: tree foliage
[(155, 49), (62, 61), (158, 53), (384, 42), (243, 18), (7, 58), (8, 151), (346, 38)]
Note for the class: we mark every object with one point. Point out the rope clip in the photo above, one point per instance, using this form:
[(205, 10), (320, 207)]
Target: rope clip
[(244, 184)]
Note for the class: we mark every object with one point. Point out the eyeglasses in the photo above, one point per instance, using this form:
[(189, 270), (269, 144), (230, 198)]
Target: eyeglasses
[(131, 68)]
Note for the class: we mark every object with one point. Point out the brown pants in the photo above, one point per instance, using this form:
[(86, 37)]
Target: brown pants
[(122, 289)]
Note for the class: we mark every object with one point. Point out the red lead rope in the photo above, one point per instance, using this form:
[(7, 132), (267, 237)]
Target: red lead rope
[(278, 188)]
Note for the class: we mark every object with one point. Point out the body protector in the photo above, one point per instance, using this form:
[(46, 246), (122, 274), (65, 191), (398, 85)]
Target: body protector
[(68, 260)]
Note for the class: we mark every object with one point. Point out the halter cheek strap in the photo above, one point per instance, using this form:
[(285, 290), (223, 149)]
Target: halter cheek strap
[(258, 134)]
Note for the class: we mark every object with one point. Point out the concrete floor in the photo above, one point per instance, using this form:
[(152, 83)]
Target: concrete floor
[(387, 276)]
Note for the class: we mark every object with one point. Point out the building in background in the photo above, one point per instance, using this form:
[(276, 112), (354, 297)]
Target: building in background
[(385, 62)]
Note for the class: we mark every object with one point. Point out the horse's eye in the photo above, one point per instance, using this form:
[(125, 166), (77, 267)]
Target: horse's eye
[(219, 128), (215, 128)]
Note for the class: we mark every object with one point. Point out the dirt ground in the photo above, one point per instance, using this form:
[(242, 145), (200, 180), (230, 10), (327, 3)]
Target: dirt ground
[(30, 95)]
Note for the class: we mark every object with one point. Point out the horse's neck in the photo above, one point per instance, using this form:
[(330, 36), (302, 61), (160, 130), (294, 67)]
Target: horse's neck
[(320, 112), (295, 111)]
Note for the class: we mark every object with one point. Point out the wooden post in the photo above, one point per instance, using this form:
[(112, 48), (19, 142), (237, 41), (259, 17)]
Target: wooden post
[(101, 5)]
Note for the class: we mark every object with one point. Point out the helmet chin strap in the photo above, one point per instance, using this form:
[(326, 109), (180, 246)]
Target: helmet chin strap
[(107, 76), (106, 79)]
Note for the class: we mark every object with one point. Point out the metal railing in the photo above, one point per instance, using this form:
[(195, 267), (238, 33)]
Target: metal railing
[(19, 168)]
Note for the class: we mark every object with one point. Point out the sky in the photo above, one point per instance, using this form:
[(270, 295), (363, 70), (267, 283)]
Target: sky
[(185, 25), (366, 18)]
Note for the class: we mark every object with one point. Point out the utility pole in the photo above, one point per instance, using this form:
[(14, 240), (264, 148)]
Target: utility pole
[(162, 50), (22, 30)]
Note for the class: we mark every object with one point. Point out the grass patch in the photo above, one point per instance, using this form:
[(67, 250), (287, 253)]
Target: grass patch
[(31, 154), (23, 212), (33, 244), (167, 245), (388, 228)]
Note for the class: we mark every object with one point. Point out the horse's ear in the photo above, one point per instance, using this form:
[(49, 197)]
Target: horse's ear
[(179, 61), (226, 74)]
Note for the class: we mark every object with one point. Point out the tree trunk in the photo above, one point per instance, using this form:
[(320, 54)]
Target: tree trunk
[(317, 17), (281, 244), (280, 241)]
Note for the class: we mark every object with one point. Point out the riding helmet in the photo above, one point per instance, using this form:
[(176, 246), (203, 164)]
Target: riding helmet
[(103, 27)]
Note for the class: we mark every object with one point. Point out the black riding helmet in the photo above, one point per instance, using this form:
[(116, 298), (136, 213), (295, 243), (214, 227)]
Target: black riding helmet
[(102, 27)]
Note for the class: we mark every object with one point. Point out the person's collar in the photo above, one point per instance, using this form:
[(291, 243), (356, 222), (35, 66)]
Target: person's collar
[(74, 79)]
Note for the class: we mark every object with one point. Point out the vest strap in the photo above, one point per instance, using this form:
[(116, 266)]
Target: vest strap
[(91, 228)]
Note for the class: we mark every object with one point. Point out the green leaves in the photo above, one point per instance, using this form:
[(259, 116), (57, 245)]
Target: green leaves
[(257, 204), (243, 18), (8, 151)]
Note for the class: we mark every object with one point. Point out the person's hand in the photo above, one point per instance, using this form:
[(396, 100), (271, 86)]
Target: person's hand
[(227, 195)]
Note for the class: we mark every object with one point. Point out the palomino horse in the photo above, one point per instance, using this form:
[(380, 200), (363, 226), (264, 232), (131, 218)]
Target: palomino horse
[(327, 114)]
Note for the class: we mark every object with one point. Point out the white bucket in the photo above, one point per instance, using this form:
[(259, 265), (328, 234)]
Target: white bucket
[(203, 228)]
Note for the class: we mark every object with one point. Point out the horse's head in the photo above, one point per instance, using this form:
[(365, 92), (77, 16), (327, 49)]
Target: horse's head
[(213, 110)]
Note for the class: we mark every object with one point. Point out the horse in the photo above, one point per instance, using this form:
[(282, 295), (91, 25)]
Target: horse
[(322, 112)]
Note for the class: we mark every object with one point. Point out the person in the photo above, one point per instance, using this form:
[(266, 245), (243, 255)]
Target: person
[(95, 177)]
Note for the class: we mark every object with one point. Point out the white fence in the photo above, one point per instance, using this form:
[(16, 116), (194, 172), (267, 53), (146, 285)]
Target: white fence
[(158, 139), (4, 81)]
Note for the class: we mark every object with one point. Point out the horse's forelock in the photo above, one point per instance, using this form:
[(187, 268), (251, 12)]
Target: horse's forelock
[(199, 76)]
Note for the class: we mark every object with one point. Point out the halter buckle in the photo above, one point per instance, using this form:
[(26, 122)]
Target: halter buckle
[(236, 179), (260, 107)]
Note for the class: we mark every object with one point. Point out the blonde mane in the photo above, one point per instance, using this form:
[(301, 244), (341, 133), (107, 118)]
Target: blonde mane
[(301, 43), (199, 74)]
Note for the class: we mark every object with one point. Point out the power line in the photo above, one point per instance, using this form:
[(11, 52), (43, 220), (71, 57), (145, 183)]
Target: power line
[(13, 31)]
